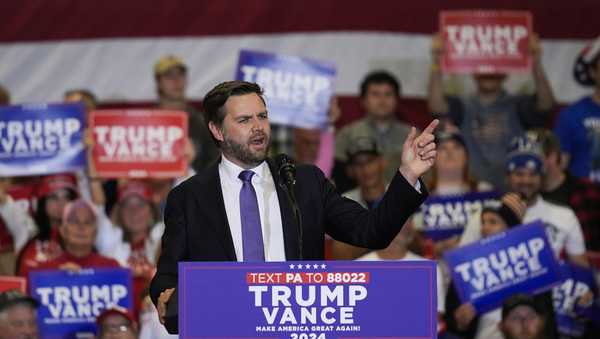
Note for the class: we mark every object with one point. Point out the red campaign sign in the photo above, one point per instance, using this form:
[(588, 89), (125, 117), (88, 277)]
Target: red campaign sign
[(8, 283), (485, 41), (139, 143)]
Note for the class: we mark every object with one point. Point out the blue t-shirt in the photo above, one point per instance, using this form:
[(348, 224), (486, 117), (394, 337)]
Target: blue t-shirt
[(578, 129)]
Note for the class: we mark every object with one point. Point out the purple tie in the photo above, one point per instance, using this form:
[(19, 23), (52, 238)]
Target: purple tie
[(252, 241)]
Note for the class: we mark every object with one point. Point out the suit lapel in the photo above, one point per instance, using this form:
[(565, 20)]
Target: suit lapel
[(210, 195), (290, 229)]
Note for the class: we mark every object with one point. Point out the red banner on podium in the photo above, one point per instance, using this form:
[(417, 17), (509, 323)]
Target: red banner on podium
[(139, 143), (485, 41)]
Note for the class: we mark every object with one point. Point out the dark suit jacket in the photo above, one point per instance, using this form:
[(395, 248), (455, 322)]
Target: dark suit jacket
[(197, 228)]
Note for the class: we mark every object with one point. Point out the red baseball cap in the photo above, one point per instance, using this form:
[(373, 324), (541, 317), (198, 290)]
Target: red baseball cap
[(135, 188), (116, 310), (52, 183)]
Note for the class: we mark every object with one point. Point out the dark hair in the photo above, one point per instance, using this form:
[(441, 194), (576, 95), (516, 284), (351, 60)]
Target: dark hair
[(214, 101), (42, 220), (548, 141), (379, 77), (4, 96)]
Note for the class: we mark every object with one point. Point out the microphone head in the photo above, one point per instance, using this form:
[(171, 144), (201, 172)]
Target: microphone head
[(286, 169)]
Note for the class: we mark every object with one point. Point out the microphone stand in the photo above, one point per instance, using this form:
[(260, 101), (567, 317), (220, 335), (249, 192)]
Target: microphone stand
[(289, 189), (287, 173)]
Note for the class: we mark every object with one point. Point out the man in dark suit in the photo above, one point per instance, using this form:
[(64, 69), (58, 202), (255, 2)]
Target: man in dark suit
[(236, 209)]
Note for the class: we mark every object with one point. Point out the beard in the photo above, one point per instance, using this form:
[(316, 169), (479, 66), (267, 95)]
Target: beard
[(242, 152)]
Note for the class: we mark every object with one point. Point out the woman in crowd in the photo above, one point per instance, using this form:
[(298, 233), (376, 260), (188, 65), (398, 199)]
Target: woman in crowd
[(53, 193), (78, 231), (462, 319), (135, 239), (450, 175)]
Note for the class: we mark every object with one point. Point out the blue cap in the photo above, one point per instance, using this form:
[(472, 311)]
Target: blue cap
[(525, 152)]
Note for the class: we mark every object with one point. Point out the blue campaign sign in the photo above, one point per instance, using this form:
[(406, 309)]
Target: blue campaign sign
[(577, 282), (297, 90), (305, 300), (41, 139), (70, 302), (520, 260), (447, 215)]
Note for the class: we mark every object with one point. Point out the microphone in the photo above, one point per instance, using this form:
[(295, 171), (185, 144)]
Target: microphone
[(287, 174), (286, 170)]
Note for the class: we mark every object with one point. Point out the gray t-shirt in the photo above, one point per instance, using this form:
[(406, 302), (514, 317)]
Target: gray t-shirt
[(389, 141), (488, 130)]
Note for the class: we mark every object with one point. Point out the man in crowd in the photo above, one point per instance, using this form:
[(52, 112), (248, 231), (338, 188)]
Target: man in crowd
[(117, 323), (170, 74), (561, 187), (18, 316), (221, 213), (368, 168), (525, 171), (379, 94), (491, 117), (578, 126), (522, 318)]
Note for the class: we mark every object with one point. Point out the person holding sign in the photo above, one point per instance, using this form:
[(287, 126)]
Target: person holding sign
[(221, 213), (54, 192), (462, 319), (525, 170), (490, 118), (78, 234), (170, 74)]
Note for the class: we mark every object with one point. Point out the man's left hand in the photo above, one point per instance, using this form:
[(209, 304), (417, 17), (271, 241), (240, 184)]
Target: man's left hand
[(418, 153)]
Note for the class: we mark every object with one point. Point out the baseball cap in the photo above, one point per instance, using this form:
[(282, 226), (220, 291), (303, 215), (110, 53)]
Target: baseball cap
[(13, 297), (168, 62), (517, 300), (115, 310), (525, 152), (135, 188), (362, 145), (584, 60), (52, 183)]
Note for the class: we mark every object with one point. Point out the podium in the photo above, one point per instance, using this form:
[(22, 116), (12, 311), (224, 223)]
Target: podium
[(305, 300)]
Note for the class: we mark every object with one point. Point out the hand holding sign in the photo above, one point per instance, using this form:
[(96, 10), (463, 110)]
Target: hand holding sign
[(418, 153)]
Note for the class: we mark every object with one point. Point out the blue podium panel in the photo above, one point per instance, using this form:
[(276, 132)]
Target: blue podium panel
[(308, 300)]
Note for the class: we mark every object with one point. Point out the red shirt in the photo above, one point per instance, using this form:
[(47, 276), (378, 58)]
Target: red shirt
[(93, 260), (37, 252)]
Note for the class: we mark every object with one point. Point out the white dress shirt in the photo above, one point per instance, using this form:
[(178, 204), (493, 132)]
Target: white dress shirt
[(268, 206)]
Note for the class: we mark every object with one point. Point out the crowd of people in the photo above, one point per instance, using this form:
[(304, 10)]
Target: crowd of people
[(489, 140)]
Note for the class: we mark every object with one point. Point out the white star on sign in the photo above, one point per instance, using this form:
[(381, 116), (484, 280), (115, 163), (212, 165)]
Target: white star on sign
[(291, 266), (315, 266), (323, 266)]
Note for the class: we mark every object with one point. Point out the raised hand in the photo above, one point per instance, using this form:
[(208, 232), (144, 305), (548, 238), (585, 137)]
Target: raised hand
[(418, 153)]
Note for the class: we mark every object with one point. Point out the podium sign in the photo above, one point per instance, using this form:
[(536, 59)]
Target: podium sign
[(304, 300)]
